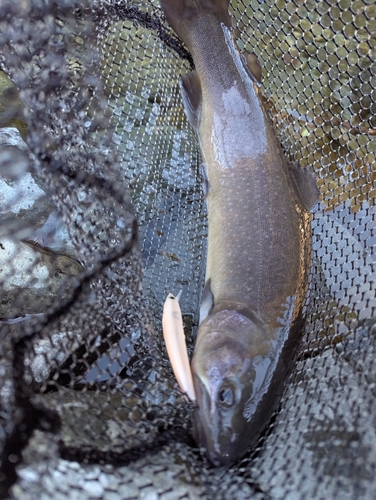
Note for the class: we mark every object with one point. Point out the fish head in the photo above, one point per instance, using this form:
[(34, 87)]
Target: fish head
[(224, 375)]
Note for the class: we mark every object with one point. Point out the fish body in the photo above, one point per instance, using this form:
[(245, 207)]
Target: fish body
[(258, 239)]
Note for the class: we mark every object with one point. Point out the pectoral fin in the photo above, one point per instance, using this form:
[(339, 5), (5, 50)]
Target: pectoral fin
[(252, 65), (207, 301), (205, 180), (305, 185), (190, 88)]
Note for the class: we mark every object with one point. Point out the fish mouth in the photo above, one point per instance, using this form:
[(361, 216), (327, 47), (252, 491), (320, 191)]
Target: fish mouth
[(222, 448), (216, 433)]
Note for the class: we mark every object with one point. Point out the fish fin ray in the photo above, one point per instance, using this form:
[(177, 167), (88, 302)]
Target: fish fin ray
[(207, 301), (190, 87), (253, 66), (205, 180), (304, 180)]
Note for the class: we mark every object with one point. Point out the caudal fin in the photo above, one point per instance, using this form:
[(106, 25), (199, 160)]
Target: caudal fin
[(181, 14)]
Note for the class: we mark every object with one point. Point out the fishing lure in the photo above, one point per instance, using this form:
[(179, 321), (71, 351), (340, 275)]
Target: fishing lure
[(173, 333)]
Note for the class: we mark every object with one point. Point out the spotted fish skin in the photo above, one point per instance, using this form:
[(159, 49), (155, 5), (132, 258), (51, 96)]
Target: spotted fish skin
[(258, 238)]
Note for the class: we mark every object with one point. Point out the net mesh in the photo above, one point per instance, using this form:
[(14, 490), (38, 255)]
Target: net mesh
[(103, 215)]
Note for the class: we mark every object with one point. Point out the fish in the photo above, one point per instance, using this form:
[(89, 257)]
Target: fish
[(59, 261), (259, 240)]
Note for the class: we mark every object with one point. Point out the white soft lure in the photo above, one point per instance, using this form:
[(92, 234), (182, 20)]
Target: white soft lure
[(173, 333)]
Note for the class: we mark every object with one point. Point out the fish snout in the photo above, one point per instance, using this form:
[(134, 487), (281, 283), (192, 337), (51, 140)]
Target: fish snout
[(216, 432), (220, 443), (219, 460), (205, 439)]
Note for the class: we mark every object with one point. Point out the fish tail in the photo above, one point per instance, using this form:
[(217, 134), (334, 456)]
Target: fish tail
[(182, 14)]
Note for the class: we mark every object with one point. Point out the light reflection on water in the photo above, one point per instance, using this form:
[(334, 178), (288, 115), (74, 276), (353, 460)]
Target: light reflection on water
[(111, 364)]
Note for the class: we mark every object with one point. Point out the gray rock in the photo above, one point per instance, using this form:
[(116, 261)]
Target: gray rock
[(93, 488), (33, 275), (40, 275), (22, 197)]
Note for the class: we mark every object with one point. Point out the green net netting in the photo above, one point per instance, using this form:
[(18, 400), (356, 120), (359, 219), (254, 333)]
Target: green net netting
[(103, 214)]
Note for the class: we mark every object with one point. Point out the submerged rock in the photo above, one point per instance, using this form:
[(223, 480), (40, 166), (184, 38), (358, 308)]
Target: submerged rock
[(36, 268)]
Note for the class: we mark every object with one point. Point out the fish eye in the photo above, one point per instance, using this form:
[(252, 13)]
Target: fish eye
[(226, 396)]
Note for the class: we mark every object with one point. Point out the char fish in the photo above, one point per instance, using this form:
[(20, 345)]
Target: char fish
[(258, 238)]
